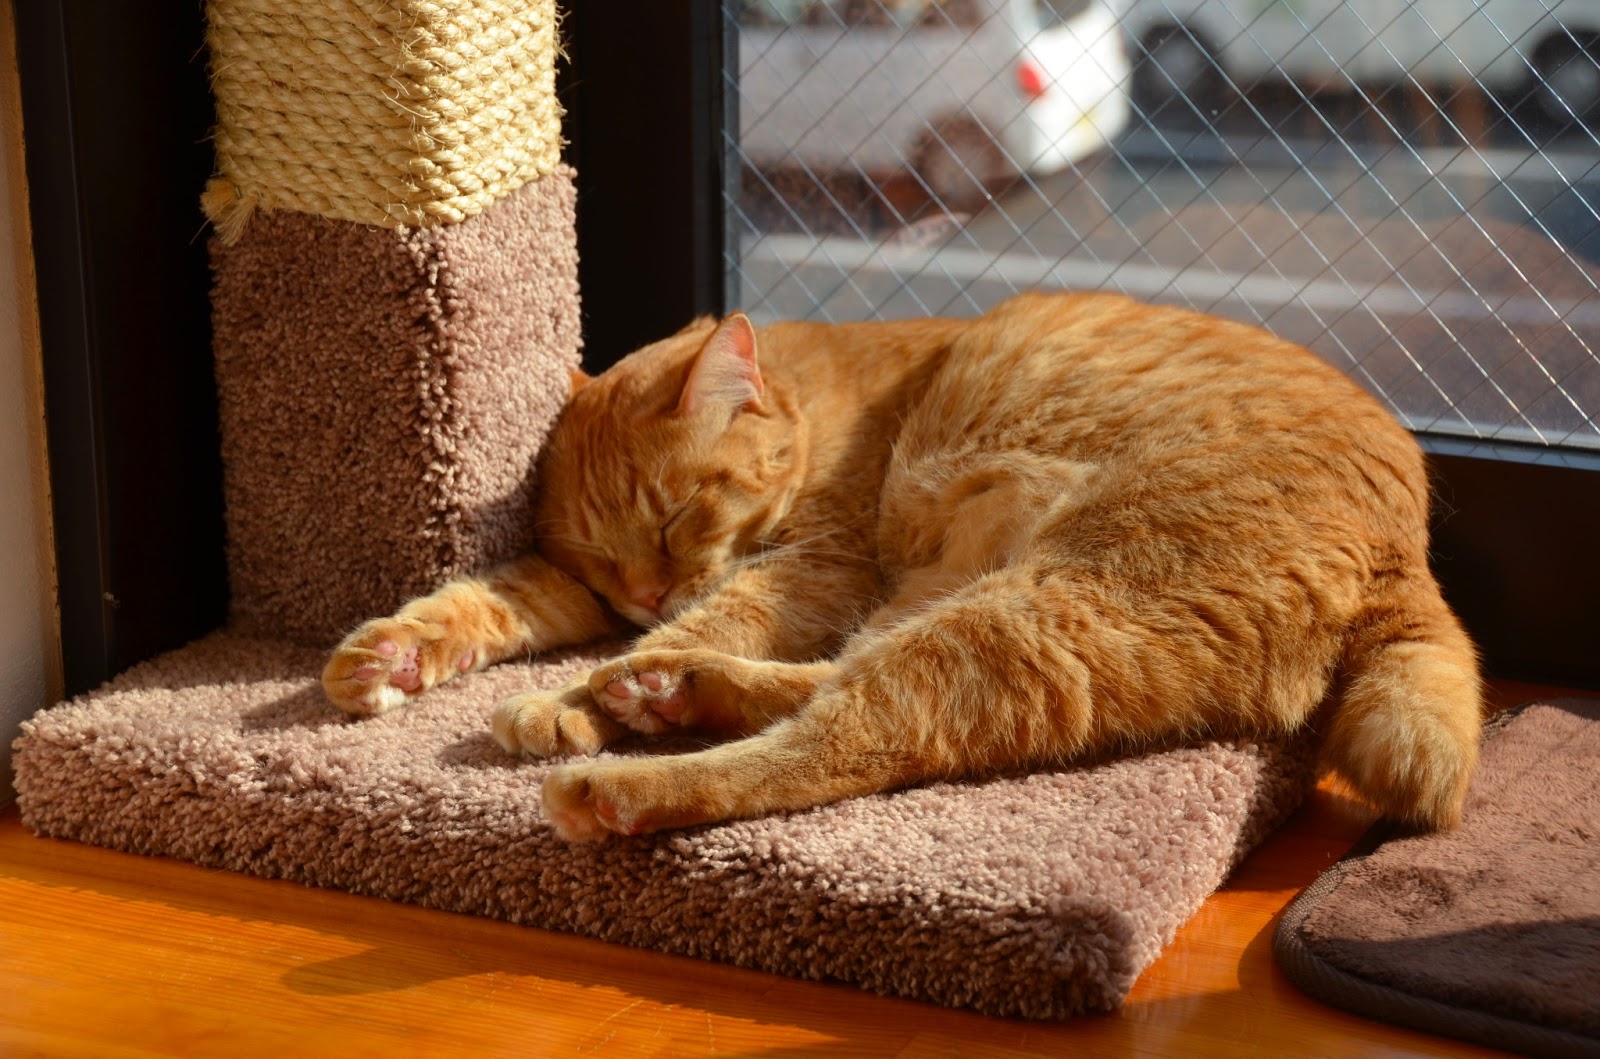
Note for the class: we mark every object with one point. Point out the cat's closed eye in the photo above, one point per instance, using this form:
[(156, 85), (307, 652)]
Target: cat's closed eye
[(676, 519), (665, 542)]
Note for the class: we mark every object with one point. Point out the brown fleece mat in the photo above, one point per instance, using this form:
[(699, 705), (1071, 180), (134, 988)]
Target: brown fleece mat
[(1490, 933), (383, 396), (1041, 896)]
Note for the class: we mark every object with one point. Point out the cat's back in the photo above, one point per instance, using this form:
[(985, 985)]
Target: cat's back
[(1163, 399), (1095, 371), (1094, 375)]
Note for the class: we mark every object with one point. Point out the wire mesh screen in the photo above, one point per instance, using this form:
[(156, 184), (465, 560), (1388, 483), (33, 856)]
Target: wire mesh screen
[(1408, 187)]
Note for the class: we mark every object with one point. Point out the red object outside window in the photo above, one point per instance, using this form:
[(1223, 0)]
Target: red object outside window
[(1031, 79)]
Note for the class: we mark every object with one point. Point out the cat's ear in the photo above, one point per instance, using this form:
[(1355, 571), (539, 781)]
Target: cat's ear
[(724, 373), (578, 380)]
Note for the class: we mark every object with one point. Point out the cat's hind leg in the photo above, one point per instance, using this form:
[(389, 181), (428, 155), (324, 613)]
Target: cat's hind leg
[(981, 681), (1031, 665), (794, 764)]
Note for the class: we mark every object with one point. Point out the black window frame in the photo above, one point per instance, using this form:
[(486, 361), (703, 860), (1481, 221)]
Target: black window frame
[(116, 118)]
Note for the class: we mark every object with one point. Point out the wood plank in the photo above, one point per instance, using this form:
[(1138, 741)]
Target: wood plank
[(110, 954)]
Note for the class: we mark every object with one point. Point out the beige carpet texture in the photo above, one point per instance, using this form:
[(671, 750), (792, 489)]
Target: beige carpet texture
[(383, 395), (1040, 896)]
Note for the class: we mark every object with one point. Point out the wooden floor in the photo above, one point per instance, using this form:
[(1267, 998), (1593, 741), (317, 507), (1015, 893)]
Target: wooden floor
[(108, 954)]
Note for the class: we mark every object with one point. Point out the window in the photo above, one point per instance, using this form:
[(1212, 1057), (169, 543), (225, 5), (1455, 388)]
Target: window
[(1408, 187)]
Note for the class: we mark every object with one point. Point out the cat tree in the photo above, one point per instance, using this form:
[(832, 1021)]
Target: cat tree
[(396, 315), (396, 295)]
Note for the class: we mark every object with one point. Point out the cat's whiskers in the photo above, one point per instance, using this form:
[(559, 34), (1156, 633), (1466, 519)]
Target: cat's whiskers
[(792, 553), (801, 548)]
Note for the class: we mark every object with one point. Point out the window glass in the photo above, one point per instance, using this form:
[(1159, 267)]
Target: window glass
[(1409, 187)]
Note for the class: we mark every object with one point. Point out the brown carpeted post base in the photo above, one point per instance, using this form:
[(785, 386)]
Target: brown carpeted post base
[(1041, 896), (383, 394)]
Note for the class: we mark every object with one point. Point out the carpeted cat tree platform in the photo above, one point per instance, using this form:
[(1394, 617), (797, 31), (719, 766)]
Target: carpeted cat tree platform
[(396, 317)]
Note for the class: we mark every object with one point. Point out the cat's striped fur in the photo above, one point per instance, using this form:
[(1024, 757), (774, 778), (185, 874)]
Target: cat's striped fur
[(875, 554)]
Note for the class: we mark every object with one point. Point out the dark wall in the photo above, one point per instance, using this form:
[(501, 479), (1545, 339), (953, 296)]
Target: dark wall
[(116, 116), (644, 128), (1516, 545)]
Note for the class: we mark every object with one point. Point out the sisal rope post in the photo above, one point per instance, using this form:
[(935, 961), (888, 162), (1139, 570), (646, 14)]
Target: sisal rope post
[(389, 113)]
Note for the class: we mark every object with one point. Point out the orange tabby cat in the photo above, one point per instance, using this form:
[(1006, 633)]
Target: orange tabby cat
[(884, 553)]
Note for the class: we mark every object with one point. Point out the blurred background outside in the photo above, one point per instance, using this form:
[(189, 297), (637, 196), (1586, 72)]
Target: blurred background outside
[(1409, 187)]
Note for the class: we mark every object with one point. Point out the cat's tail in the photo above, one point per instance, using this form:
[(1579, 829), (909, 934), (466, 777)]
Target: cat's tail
[(1405, 733)]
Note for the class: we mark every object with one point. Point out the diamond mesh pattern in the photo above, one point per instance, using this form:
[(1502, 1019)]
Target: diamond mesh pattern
[(1409, 187)]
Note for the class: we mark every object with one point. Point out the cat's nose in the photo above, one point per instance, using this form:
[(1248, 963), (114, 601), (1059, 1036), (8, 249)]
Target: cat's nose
[(647, 594)]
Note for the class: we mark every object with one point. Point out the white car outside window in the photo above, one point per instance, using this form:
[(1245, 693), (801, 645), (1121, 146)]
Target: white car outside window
[(964, 92), (1549, 45)]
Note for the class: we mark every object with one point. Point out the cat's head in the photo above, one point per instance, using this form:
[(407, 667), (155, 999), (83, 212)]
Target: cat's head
[(668, 469)]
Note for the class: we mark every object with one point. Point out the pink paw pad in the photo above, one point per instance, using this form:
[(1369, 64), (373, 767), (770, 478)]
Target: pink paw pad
[(608, 815), (466, 662), (670, 707), (407, 676)]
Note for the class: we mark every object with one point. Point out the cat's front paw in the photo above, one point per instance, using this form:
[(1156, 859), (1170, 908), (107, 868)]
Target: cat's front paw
[(389, 660), (553, 723), (649, 691)]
